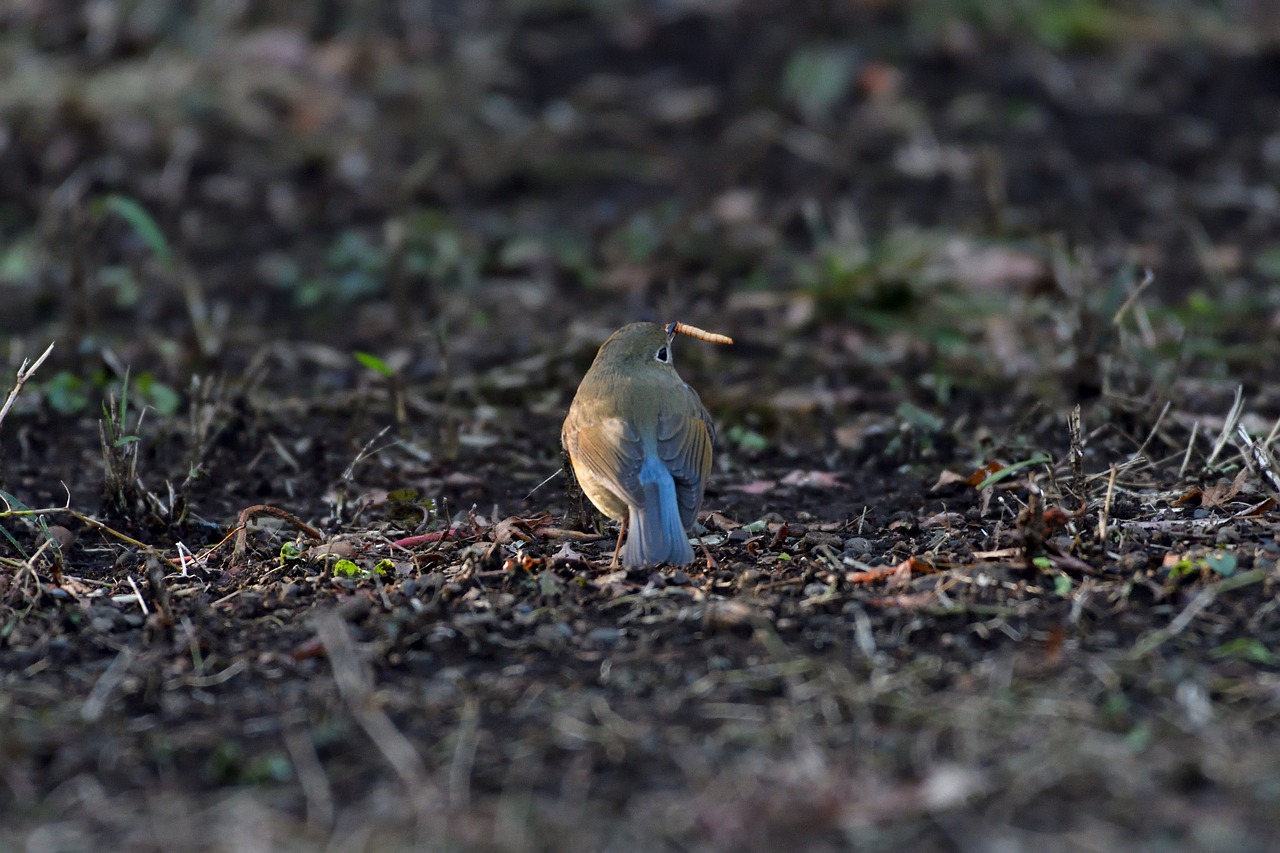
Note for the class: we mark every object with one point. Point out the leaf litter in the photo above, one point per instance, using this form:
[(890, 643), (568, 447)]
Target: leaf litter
[(898, 641)]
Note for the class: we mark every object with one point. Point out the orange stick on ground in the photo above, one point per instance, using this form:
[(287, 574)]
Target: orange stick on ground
[(678, 328)]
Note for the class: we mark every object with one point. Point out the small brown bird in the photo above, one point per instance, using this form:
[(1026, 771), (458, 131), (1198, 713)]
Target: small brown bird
[(640, 441)]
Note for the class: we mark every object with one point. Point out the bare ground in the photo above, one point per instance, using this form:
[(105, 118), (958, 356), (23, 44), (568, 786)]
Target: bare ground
[(933, 618)]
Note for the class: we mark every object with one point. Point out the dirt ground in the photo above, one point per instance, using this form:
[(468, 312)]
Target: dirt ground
[(287, 557)]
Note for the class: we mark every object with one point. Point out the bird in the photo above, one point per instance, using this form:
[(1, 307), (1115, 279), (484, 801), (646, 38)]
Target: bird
[(640, 440)]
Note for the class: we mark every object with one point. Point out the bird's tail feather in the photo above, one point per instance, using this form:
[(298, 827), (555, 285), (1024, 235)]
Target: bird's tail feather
[(657, 535)]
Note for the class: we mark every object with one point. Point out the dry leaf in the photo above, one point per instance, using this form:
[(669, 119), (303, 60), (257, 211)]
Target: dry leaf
[(949, 478), (721, 522), (985, 471), (756, 487), (812, 480), (943, 519), (566, 552)]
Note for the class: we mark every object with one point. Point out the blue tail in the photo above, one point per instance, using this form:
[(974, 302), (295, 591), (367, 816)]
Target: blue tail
[(656, 533)]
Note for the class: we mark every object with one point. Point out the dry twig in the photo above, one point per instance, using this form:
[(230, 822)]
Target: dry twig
[(25, 372)]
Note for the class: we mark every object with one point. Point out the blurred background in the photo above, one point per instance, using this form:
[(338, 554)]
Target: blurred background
[(932, 198)]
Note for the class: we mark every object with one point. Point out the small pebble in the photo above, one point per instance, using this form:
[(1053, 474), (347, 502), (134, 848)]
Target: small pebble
[(857, 546), (815, 538)]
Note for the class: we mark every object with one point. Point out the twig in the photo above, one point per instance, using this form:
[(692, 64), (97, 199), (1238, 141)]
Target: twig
[(1229, 427), (1275, 431), (316, 789), (1142, 450), (355, 685), (543, 483), (1075, 430), (1191, 442), (1147, 278), (1104, 515), (79, 516), (25, 372), (96, 702), (464, 755), (159, 589), (247, 514), (1261, 457), (137, 593)]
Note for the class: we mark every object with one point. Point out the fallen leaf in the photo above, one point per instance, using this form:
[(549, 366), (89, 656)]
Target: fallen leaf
[(997, 554), (756, 487), (812, 480), (943, 519), (950, 478), (566, 552), (881, 572), (423, 539), (547, 531), (510, 530), (721, 522), (79, 590), (985, 471), (337, 548), (1186, 497), (1222, 492), (1256, 509)]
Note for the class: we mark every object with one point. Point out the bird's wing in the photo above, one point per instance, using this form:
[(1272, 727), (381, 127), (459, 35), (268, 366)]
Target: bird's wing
[(685, 436), (609, 451)]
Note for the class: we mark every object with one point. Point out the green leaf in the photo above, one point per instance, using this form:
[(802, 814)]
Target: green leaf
[(65, 394), (1042, 563), (346, 568), (1012, 469), (1222, 562), (17, 260), (1139, 737), (142, 223), (158, 395), (1245, 648), (289, 552), (1062, 586), (14, 504), (374, 363), (269, 767), (919, 418), (747, 439), (815, 79)]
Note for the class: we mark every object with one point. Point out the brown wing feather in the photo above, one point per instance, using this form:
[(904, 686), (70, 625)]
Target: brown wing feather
[(685, 437), (607, 455)]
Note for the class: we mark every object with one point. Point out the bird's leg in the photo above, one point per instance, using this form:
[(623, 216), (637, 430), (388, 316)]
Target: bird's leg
[(617, 549)]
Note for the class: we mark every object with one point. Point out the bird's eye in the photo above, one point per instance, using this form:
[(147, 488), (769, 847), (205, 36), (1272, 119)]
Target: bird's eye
[(663, 356)]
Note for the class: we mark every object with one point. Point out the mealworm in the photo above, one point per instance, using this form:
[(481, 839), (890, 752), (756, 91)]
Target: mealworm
[(694, 332)]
